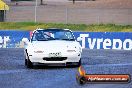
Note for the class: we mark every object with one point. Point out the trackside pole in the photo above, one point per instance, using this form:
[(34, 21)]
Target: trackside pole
[(36, 11)]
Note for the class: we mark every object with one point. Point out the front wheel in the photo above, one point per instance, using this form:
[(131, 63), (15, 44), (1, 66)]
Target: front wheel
[(79, 63), (29, 64), (25, 62)]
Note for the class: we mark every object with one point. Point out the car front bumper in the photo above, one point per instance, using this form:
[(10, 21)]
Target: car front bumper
[(66, 58)]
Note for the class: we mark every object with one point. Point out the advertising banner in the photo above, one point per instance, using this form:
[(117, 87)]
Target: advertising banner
[(12, 38), (90, 40), (105, 40)]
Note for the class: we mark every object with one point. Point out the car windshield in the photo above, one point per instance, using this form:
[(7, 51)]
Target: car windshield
[(46, 35)]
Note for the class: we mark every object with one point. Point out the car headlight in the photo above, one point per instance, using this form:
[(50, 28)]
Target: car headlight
[(71, 50), (39, 51)]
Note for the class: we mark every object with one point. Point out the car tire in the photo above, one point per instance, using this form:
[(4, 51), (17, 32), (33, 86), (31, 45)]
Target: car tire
[(79, 63), (29, 64), (25, 62), (26, 56)]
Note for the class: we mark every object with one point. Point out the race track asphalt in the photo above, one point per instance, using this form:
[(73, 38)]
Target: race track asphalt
[(13, 73)]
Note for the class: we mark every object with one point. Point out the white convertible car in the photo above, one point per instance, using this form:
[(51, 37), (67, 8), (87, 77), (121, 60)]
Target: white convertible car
[(52, 47)]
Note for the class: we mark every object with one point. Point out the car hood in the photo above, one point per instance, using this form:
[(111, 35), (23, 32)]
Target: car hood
[(55, 45)]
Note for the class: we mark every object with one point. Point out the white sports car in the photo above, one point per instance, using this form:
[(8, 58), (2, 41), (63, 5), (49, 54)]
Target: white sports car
[(53, 47)]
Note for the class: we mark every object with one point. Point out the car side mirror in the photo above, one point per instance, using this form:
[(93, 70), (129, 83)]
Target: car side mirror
[(25, 41), (79, 39)]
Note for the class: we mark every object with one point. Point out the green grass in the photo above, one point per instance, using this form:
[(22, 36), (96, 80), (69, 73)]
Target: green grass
[(73, 27)]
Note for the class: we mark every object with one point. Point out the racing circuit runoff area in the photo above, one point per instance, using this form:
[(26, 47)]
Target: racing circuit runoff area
[(13, 73)]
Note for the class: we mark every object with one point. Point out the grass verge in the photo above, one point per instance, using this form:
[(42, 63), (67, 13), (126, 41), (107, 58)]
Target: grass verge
[(73, 27)]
